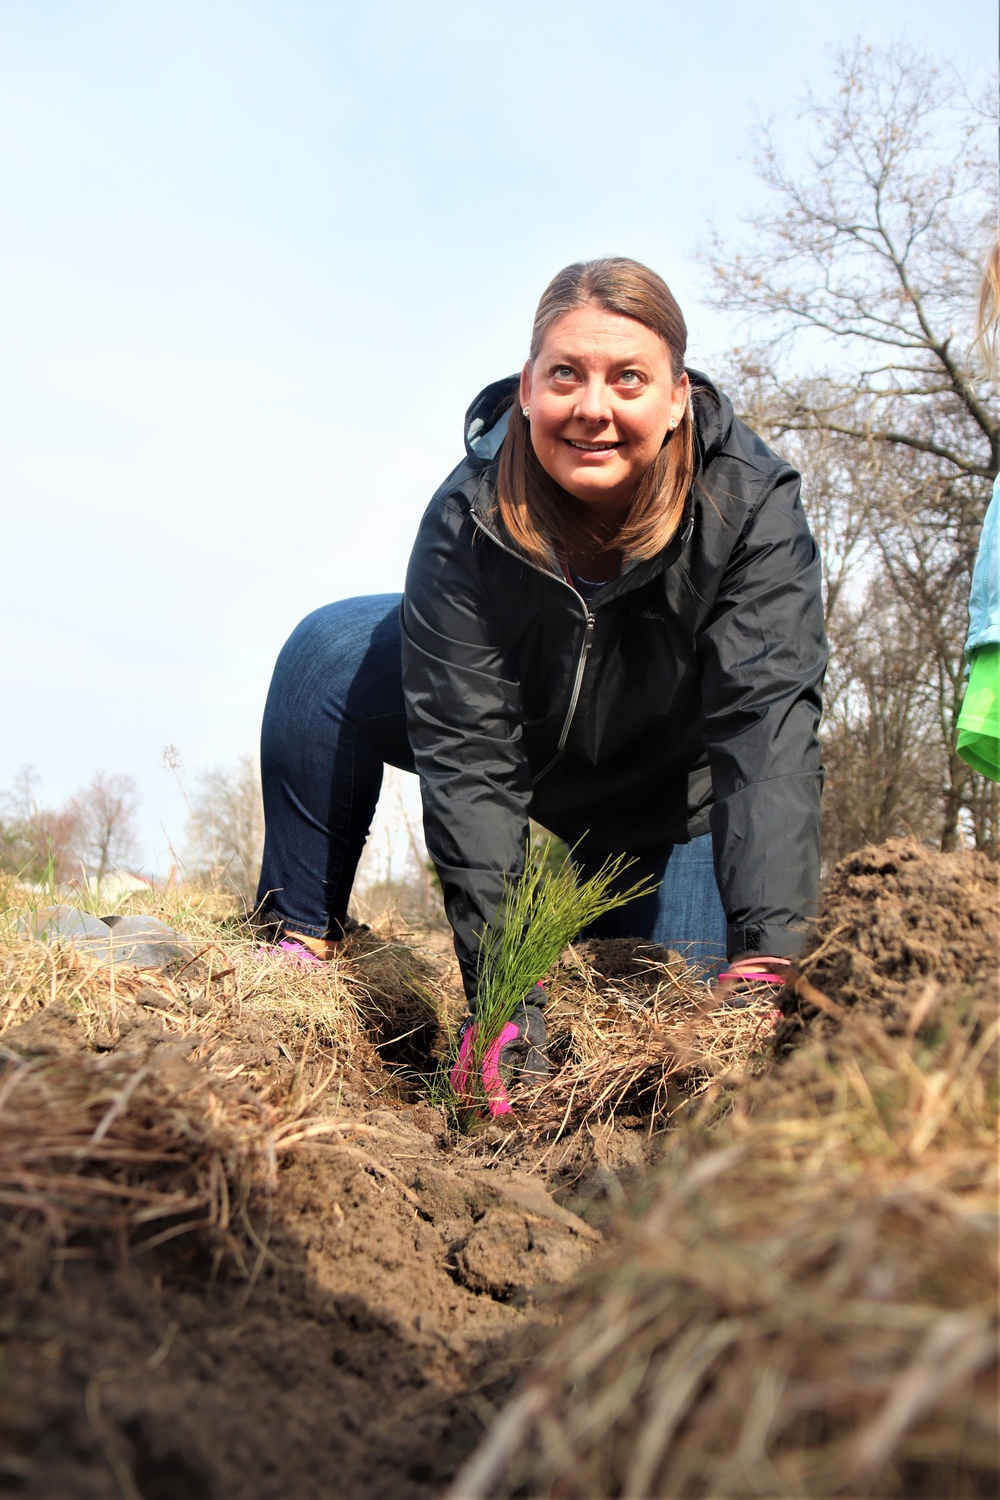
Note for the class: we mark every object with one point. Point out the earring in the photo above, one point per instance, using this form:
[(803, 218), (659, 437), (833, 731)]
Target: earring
[(525, 411), (673, 423)]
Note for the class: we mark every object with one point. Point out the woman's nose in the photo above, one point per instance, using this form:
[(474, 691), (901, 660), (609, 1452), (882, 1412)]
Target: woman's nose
[(594, 404)]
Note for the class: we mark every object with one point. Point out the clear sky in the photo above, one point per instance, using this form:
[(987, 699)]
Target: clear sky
[(256, 259)]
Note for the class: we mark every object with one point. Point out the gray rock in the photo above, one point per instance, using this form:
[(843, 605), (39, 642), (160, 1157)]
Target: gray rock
[(64, 925), (138, 942)]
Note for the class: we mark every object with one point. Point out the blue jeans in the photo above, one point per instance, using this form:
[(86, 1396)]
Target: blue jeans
[(334, 718)]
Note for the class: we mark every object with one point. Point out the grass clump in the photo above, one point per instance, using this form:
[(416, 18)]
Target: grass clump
[(804, 1304), (151, 1103), (637, 1048)]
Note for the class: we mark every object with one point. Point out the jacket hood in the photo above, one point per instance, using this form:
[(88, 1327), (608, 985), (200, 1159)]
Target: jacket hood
[(486, 419), (713, 417)]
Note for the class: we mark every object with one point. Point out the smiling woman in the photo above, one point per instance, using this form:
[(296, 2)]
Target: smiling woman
[(602, 393), (612, 624)]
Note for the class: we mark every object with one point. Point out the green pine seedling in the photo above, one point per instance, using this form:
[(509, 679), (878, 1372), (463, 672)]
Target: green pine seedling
[(541, 912)]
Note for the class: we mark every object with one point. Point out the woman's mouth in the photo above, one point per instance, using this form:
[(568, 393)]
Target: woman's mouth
[(581, 447)]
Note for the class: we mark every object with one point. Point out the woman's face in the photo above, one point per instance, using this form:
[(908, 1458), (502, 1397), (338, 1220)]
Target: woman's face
[(602, 398)]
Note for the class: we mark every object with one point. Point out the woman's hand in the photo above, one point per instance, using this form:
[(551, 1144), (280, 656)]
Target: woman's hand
[(758, 969), (753, 980)]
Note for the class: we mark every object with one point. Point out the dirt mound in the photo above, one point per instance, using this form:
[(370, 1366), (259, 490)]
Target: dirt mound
[(898, 914)]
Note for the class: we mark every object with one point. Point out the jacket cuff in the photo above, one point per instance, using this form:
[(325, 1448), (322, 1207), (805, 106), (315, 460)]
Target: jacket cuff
[(774, 942)]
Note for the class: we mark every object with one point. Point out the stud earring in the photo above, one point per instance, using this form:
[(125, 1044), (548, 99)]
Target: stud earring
[(525, 411)]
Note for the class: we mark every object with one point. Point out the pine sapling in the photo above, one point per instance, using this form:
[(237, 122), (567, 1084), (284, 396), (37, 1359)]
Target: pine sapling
[(542, 911)]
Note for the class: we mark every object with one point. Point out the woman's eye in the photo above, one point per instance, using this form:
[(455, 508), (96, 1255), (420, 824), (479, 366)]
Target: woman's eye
[(630, 377), (563, 372)]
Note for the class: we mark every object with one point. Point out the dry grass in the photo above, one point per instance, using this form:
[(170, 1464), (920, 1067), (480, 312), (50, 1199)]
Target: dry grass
[(807, 1306), (231, 976), (154, 1105), (638, 1045), (148, 1151)]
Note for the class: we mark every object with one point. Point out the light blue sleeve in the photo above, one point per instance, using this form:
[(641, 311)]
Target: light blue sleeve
[(984, 598)]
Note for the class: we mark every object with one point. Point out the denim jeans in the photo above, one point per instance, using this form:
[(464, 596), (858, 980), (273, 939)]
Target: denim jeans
[(334, 718)]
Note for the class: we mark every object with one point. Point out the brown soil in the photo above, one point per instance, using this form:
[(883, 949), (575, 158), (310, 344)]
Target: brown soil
[(398, 1277), (350, 1367), (897, 914), (398, 1288)]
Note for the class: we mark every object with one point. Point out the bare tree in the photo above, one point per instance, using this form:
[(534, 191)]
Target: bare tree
[(106, 828), (225, 830), (880, 741), (865, 264), (36, 843), (395, 873)]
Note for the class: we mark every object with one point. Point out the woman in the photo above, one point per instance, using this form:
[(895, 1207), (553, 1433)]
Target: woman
[(612, 623)]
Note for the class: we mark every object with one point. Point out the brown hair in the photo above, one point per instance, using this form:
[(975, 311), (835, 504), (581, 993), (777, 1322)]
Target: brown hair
[(988, 320), (536, 511)]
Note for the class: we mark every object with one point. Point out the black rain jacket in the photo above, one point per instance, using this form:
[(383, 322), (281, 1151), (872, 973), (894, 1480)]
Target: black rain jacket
[(686, 696)]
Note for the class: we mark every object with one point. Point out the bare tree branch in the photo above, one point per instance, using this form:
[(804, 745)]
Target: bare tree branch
[(863, 266)]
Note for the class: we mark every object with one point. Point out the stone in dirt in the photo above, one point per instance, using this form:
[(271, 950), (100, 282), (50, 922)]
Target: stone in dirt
[(137, 942)]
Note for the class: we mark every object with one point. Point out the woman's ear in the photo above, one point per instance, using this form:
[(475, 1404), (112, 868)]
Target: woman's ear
[(524, 394), (681, 397)]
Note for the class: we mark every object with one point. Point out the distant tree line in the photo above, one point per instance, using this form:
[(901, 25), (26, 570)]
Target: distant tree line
[(224, 837), (94, 832)]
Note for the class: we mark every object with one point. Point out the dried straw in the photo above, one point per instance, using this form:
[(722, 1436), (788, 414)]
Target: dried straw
[(141, 1103), (807, 1307), (638, 1046)]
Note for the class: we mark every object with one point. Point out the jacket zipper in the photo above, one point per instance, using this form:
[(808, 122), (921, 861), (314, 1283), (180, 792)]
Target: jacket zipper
[(588, 639)]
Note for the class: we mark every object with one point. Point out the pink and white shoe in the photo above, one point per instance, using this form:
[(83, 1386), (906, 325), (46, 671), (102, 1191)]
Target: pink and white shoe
[(293, 952)]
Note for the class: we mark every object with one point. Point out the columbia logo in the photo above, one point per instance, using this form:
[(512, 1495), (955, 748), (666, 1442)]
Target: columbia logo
[(647, 614)]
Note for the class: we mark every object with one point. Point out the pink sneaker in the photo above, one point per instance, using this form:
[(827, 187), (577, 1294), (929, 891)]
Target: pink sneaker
[(294, 953)]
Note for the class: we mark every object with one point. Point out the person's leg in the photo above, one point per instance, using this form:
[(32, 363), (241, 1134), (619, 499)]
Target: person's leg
[(684, 912), (334, 716), (691, 917)]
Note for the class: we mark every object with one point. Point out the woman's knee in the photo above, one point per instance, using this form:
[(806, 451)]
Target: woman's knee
[(331, 645), (342, 663)]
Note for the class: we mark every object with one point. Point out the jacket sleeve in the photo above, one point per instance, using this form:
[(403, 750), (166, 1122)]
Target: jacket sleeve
[(763, 656), (464, 719), (984, 598)]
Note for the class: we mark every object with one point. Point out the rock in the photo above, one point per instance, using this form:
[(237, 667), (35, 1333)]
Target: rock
[(138, 942), (146, 943), (63, 925)]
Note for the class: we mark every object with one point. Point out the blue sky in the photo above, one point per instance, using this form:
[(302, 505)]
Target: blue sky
[(257, 258)]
